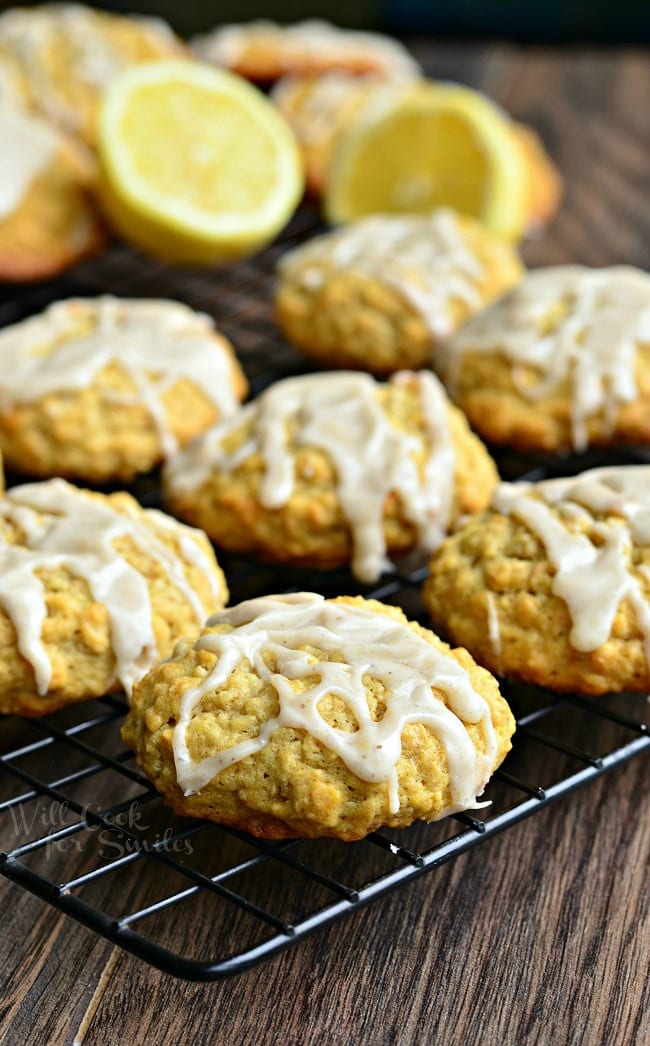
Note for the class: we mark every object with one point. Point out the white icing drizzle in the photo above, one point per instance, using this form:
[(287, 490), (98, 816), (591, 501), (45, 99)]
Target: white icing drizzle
[(593, 345), (423, 257), (33, 34), (65, 527), (304, 43), (494, 629), (321, 110), (341, 414), (157, 343), (276, 629), (28, 146), (592, 578)]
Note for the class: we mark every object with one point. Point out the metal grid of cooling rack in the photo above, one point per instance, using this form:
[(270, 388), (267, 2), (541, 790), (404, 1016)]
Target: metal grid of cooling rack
[(83, 829)]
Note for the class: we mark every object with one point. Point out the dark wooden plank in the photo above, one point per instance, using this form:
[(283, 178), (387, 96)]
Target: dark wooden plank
[(49, 971), (539, 936)]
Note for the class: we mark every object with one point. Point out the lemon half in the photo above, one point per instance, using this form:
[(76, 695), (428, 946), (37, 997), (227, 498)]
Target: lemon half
[(197, 166), (441, 145)]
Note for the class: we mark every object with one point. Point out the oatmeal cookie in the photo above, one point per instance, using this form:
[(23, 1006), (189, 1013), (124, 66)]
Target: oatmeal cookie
[(263, 51), (295, 715), (93, 591), (320, 110), (334, 468), (552, 584), (384, 293), (67, 54), (561, 362), (101, 389), (48, 219)]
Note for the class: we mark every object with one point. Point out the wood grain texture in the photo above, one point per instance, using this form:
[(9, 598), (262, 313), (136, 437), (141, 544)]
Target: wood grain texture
[(539, 936)]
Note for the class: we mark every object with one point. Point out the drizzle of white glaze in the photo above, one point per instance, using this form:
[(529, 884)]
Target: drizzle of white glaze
[(604, 316), (277, 629), (341, 414), (592, 578), (28, 146), (494, 629), (65, 527), (423, 257), (157, 343), (304, 43), (325, 108), (33, 35)]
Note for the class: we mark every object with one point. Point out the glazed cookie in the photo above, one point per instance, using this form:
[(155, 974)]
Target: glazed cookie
[(320, 110), (101, 389), (48, 219), (67, 54), (562, 361), (326, 469), (552, 584), (93, 591), (295, 715), (263, 51), (383, 293)]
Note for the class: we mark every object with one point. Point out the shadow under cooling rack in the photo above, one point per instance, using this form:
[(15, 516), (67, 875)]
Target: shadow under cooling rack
[(84, 830)]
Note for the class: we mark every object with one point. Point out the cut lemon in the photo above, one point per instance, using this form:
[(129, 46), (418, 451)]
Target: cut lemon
[(439, 146), (197, 166)]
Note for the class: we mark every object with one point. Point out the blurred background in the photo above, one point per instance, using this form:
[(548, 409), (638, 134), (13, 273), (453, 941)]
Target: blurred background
[(533, 20)]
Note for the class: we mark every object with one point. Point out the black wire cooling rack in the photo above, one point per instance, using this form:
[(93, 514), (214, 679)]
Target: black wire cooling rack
[(81, 827)]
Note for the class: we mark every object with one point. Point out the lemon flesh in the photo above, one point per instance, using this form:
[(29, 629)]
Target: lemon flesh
[(197, 166), (440, 146)]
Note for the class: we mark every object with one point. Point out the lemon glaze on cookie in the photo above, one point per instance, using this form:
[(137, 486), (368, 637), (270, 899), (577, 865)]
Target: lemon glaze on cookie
[(262, 49), (280, 629), (551, 584), (383, 293), (31, 143), (67, 54), (157, 343), (63, 527), (341, 414), (592, 576), (426, 259), (562, 326)]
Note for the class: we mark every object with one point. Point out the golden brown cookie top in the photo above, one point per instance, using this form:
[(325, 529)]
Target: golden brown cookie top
[(155, 343), (433, 261), (381, 439), (566, 325), (592, 527), (68, 53), (46, 526), (348, 672), (263, 50)]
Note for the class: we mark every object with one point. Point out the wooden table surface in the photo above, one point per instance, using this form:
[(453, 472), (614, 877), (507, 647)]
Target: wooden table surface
[(542, 934)]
